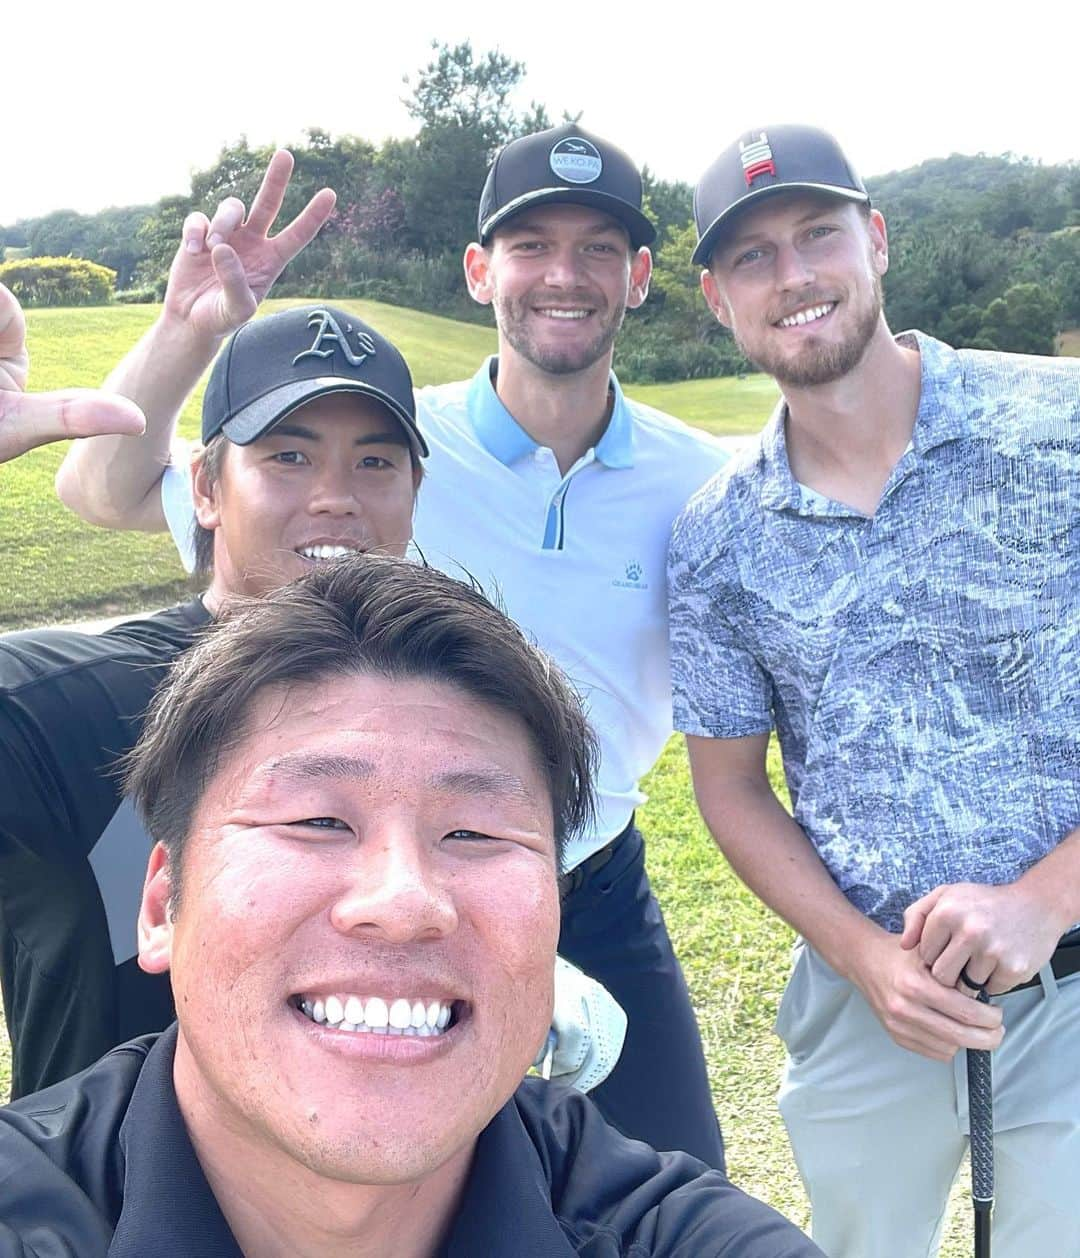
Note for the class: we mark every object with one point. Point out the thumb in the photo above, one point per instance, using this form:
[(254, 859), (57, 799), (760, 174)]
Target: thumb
[(28, 420)]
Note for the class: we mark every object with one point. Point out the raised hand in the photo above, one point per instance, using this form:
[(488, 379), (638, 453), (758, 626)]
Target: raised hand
[(226, 265), (34, 419)]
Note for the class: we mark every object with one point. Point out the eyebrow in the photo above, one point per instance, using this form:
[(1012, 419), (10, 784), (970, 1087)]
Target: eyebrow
[(536, 227), (394, 436), (484, 782), (303, 767), (744, 237)]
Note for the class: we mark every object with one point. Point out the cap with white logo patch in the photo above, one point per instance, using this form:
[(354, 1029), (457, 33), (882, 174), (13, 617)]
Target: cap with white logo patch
[(564, 165), (761, 163)]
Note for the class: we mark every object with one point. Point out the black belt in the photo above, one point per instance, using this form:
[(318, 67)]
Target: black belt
[(581, 873), (1065, 961)]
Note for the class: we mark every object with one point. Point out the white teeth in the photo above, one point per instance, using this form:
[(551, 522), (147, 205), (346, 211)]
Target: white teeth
[(564, 314), (806, 316), (327, 552), (334, 1010), (376, 1015), (399, 1016)]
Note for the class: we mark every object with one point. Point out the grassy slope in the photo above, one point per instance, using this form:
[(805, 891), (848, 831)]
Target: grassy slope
[(734, 950)]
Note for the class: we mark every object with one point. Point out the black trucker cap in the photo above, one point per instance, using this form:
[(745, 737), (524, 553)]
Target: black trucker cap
[(273, 365), (563, 165), (762, 162)]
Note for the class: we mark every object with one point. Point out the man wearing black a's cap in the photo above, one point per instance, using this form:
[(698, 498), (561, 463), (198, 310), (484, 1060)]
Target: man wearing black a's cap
[(891, 578), (558, 494)]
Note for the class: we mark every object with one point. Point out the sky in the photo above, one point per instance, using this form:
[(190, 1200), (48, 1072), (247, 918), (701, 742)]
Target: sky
[(109, 104)]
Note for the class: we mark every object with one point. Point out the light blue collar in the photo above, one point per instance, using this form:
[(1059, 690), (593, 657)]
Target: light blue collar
[(501, 435)]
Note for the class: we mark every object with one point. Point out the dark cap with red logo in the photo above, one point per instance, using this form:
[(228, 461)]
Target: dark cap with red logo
[(563, 165), (273, 365), (761, 163)]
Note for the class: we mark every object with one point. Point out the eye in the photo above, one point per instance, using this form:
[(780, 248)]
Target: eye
[(290, 458), (376, 462), (472, 836), (820, 233), (602, 246), (749, 257), (331, 825)]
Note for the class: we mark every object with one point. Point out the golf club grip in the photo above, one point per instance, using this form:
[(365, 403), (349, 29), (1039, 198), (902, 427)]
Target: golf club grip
[(981, 1124)]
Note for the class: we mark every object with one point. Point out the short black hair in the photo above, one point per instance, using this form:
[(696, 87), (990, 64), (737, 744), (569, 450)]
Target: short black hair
[(368, 614)]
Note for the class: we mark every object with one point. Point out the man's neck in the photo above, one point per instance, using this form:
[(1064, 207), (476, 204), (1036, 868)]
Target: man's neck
[(844, 438), (567, 413), (276, 1207)]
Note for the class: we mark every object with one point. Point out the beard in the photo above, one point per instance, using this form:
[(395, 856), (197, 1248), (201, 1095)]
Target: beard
[(516, 323), (817, 364)]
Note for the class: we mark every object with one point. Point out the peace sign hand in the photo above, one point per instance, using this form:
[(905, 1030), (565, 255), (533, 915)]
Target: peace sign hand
[(226, 265)]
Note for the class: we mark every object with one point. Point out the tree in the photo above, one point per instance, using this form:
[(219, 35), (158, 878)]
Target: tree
[(1025, 321), (472, 95)]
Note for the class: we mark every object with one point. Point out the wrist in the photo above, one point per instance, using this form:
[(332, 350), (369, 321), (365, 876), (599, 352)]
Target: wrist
[(176, 334)]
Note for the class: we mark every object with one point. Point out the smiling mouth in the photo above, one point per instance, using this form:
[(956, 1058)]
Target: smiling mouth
[(810, 314), (378, 1015), (559, 313), (328, 550)]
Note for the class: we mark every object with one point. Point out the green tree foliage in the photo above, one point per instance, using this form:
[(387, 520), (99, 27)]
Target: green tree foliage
[(1024, 320), (58, 281), (458, 90)]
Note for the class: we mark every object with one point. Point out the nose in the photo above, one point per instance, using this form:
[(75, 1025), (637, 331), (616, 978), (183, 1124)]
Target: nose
[(334, 490), (793, 271), (394, 892), (563, 269)]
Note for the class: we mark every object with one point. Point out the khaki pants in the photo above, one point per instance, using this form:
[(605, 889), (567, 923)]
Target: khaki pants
[(879, 1132)]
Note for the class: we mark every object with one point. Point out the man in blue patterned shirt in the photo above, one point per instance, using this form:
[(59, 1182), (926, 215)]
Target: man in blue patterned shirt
[(891, 578)]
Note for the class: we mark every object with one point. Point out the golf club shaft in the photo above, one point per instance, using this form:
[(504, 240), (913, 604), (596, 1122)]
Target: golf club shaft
[(981, 1127)]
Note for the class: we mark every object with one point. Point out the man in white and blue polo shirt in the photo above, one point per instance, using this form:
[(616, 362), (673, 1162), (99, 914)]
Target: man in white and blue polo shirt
[(557, 494), (891, 579)]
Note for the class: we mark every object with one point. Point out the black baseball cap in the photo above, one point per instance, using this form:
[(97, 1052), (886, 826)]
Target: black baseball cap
[(763, 162), (273, 365), (564, 165)]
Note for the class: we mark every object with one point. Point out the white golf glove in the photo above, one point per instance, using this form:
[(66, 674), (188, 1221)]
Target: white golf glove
[(588, 1027)]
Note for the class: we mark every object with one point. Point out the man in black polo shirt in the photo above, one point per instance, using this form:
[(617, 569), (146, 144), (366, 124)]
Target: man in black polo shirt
[(359, 790), (320, 455)]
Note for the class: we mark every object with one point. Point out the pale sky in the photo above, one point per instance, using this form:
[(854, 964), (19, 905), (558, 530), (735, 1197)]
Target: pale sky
[(111, 104)]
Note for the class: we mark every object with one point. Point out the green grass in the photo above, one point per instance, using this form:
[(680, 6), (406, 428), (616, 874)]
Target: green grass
[(734, 951)]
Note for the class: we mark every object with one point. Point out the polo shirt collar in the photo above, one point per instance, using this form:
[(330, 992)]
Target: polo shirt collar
[(942, 417), (169, 1210), (506, 1211), (502, 436)]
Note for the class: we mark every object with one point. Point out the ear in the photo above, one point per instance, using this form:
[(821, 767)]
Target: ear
[(640, 274), (204, 493), (478, 274), (715, 298), (879, 242), (155, 921)]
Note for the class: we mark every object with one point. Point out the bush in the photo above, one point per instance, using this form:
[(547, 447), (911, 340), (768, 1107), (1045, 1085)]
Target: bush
[(650, 352), (138, 296), (58, 281)]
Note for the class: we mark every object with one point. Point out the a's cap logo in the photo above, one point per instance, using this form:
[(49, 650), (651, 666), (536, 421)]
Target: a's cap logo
[(756, 158), (576, 160), (329, 334)]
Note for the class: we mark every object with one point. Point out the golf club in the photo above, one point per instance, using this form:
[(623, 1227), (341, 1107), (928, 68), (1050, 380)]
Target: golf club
[(981, 1128)]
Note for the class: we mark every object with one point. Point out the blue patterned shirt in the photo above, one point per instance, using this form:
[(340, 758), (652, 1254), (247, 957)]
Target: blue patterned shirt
[(921, 666)]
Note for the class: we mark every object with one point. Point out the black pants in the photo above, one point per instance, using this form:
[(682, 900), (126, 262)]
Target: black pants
[(612, 928)]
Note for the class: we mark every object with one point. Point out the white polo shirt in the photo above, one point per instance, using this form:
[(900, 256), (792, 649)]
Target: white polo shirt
[(577, 560)]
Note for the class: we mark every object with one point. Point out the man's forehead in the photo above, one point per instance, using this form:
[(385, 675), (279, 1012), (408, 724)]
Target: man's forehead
[(789, 207), (550, 218)]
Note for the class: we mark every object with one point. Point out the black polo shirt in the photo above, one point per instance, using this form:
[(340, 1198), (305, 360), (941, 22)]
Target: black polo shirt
[(102, 1164), (72, 852)]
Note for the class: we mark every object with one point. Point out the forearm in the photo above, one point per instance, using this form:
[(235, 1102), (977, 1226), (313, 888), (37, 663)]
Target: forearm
[(776, 860), (1055, 882), (114, 481)]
